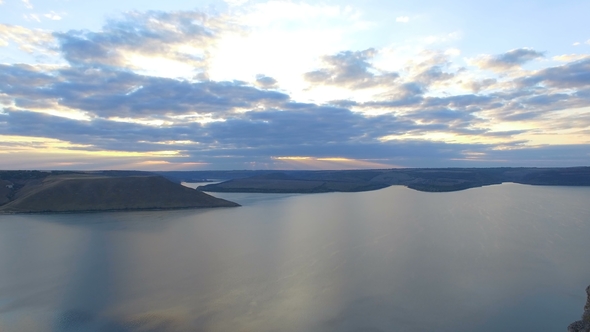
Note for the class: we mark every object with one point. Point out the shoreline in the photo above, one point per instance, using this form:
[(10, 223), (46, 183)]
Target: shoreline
[(115, 210)]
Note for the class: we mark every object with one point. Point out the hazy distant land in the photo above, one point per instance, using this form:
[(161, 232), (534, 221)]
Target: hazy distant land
[(42, 192), (429, 180)]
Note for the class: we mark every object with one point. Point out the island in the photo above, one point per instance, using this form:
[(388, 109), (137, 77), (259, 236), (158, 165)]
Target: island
[(62, 191)]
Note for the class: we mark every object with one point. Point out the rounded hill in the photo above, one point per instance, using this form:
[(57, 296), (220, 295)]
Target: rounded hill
[(89, 192)]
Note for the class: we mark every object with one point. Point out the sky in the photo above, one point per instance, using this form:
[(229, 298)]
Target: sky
[(243, 84)]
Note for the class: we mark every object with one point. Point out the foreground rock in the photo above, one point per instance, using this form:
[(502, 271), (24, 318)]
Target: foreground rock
[(91, 192), (584, 324)]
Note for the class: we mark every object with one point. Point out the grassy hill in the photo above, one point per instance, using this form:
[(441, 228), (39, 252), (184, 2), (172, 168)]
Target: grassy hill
[(81, 192)]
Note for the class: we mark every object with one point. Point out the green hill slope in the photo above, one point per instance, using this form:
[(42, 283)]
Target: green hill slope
[(87, 192)]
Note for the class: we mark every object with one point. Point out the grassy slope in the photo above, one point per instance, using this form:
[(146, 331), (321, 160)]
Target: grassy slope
[(86, 192)]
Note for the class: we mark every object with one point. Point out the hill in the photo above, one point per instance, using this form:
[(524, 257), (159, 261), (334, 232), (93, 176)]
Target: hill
[(84, 192)]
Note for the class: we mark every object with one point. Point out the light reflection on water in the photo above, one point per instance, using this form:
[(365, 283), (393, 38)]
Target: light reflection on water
[(498, 258)]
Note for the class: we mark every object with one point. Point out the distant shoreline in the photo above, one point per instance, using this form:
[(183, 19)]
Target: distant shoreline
[(421, 179)]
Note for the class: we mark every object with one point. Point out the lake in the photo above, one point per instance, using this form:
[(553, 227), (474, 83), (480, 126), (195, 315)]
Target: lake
[(499, 258)]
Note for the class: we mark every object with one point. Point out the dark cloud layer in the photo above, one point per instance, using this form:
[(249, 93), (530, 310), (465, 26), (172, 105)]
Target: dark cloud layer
[(272, 125), (110, 93)]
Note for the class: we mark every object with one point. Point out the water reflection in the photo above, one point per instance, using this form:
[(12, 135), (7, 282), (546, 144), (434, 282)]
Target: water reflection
[(497, 258)]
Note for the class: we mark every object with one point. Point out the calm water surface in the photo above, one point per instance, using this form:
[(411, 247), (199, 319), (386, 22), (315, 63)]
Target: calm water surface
[(499, 258)]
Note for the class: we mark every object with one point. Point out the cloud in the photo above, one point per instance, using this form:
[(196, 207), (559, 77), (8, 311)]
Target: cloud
[(128, 111), (433, 74), (402, 95), (185, 37), (295, 129), (28, 40), (428, 112), (329, 132), (235, 2), (111, 93), (569, 57), (443, 38), (402, 19), (53, 16), (98, 134), (350, 69), (32, 17), (266, 82), (264, 129), (574, 74), (477, 86), (277, 13), (428, 68), (426, 72), (508, 60), (27, 4)]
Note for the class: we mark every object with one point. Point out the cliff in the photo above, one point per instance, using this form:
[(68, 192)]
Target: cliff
[(584, 324)]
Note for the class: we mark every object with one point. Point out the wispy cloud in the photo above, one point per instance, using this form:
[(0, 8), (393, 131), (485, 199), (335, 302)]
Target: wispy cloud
[(27, 4), (53, 16), (32, 17), (236, 2), (569, 57), (402, 19), (27, 40)]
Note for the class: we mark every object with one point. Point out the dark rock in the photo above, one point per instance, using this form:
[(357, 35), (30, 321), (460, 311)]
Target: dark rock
[(584, 324)]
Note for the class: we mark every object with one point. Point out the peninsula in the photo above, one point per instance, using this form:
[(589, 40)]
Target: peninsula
[(51, 192)]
